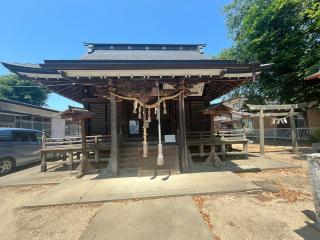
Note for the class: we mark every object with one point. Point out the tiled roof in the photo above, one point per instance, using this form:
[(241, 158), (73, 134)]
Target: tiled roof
[(144, 52), (145, 55)]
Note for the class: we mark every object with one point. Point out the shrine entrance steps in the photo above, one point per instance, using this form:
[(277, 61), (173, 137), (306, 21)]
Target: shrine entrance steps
[(131, 156)]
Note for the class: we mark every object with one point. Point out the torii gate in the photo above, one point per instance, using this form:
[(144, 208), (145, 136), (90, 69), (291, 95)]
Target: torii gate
[(284, 110)]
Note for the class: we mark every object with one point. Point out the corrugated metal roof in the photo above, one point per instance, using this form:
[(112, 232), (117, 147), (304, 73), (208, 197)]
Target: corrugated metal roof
[(145, 55), (26, 105)]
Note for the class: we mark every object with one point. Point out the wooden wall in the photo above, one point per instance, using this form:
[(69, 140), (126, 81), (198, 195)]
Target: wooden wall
[(313, 117), (101, 124), (195, 119), (194, 107)]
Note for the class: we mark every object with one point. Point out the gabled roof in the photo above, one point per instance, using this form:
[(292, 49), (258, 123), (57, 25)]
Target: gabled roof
[(150, 62), (217, 109)]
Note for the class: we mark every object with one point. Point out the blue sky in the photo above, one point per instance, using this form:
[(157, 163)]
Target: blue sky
[(34, 30)]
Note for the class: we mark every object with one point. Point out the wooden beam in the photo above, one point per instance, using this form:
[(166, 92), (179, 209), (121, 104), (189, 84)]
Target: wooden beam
[(261, 132), (114, 138), (272, 114), (276, 107)]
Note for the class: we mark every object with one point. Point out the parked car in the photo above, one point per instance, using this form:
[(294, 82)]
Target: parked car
[(18, 147)]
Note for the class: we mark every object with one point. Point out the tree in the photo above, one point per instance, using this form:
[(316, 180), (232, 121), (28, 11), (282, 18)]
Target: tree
[(283, 32), (9, 89)]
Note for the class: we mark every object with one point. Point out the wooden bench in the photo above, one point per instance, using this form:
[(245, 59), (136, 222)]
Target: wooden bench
[(234, 136)]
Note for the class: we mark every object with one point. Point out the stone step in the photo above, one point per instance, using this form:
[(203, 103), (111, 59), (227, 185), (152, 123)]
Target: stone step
[(158, 172)]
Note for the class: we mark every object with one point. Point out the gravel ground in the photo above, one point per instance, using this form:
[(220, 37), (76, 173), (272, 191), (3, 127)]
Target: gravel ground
[(281, 214)]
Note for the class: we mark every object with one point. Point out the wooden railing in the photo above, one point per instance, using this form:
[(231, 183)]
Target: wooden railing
[(47, 142), (232, 135), (205, 135)]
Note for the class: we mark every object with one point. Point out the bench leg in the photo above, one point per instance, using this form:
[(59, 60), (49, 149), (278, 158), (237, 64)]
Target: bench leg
[(43, 162), (245, 149), (201, 150), (223, 150), (96, 156), (70, 156), (64, 156)]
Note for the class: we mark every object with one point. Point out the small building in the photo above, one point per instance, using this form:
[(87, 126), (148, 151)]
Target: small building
[(21, 115), (143, 93)]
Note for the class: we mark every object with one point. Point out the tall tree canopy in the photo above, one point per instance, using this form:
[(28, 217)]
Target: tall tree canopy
[(9, 89), (283, 32)]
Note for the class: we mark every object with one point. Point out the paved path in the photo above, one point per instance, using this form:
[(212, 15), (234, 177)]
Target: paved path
[(256, 164), (97, 189), (166, 218)]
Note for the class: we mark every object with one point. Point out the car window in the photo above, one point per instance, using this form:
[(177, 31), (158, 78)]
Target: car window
[(5, 136), (24, 136)]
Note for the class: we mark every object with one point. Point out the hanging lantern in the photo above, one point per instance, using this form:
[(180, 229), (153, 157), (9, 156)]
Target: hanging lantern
[(164, 107)]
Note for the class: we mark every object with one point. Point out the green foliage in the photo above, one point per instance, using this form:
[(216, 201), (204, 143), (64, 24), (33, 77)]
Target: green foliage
[(283, 32), (30, 95), (315, 136)]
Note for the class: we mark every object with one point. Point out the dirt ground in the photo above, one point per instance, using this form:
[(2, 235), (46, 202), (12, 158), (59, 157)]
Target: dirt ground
[(61, 222), (279, 213), (285, 211)]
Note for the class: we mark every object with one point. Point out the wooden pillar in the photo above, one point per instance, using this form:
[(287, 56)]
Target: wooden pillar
[(183, 137), (43, 154), (114, 138), (293, 132), (84, 160), (261, 131), (212, 136)]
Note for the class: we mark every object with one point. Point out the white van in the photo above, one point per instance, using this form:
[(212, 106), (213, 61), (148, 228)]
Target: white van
[(18, 147)]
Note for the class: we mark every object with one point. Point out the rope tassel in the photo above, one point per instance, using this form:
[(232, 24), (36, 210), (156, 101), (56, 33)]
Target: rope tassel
[(164, 107), (149, 115), (145, 126), (135, 105), (160, 160), (139, 115)]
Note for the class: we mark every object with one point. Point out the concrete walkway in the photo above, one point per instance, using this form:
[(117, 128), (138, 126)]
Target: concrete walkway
[(170, 219), (98, 189), (256, 164)]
